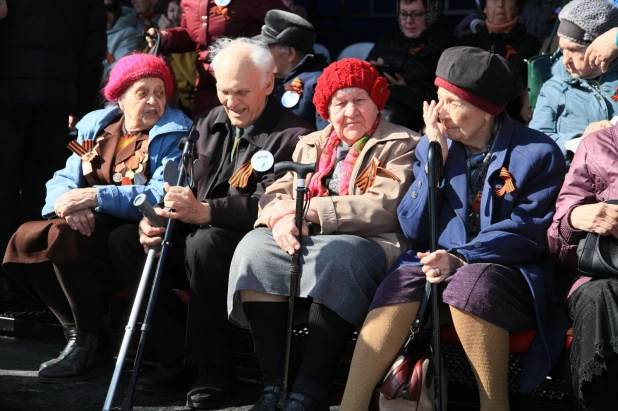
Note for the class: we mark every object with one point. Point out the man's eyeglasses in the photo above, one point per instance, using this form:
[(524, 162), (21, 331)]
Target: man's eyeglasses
[(414, 16)]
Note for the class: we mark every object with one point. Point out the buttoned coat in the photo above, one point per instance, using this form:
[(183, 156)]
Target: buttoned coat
[(512, 226), (373, 214)]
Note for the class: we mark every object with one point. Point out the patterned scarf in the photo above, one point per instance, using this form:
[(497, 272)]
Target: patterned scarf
[(328, 158)]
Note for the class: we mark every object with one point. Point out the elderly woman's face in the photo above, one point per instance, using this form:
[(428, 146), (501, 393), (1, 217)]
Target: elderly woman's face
[(501, 11), (574, 61), (463, 121), (143, 103), (352, 114)]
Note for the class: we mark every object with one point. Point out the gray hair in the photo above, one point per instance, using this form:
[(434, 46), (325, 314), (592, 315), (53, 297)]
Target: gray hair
[(260, 53)]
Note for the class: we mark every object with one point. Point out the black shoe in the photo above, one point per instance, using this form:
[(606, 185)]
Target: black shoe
[(299, 402), (269, 399), (89, 352), (211, 389), (70, 333), (170, 378)]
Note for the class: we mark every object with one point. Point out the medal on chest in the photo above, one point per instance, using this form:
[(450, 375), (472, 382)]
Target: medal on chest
[(293, 93), (132, 171)]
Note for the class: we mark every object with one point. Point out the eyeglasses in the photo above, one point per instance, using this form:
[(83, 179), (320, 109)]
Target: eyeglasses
[(414, 16)]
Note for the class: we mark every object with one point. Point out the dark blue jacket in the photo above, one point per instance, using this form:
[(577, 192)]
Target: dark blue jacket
[(308, 70), (513, 227)]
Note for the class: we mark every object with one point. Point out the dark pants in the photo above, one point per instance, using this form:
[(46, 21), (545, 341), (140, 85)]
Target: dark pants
[(34, 144), (205, 259)]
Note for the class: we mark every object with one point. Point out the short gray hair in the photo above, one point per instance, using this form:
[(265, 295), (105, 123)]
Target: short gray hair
[(260, 53)]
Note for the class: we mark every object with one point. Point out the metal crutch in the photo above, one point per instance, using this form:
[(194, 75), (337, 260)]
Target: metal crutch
[(127, 405), (301, 171), (434, 171)]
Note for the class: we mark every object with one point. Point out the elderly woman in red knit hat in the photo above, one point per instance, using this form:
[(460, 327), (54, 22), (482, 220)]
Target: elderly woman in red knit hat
[(119, 153), (364, 166)]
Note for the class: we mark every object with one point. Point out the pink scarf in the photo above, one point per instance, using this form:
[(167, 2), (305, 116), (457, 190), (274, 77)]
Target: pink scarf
[(328, 158), (501, 28)]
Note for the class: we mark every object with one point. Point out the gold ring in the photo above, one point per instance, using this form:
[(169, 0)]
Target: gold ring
[(437, 272)]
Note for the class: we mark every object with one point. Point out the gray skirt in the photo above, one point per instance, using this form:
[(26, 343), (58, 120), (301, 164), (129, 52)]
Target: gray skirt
[(342, 271)]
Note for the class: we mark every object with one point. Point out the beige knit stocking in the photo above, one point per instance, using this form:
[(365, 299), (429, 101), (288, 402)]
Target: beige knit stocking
[(383, 334), (487, 348)]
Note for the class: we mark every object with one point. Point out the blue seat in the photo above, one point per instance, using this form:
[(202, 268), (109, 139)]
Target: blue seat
[(356, 50), (321, 49)]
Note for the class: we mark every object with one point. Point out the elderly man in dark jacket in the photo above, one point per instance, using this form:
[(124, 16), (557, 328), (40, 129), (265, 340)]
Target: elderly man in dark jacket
[(291, 39), (51, 57), (213, 222)]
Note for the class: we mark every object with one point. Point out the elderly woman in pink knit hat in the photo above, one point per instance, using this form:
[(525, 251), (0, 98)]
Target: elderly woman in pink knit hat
[(364, 166), (119, 153)]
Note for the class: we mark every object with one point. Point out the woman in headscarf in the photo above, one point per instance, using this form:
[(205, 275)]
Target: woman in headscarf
[(408, 58), (120, 152), (495, 203), (364, 168)]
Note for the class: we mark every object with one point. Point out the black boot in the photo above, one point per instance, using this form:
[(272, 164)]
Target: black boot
[(299, 402), (269, 399), (214, 386), (70, 333), (88, 352)]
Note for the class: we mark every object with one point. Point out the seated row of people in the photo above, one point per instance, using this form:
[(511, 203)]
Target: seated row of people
[(366, 217)]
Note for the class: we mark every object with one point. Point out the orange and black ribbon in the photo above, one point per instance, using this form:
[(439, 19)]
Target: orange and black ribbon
[(222, 11), (241, 176), (615, 96), (296, 85), (508, 186), (367, 177), (87, 151)]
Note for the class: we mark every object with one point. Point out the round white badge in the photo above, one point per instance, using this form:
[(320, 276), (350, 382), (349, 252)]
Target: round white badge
[(290, 98), (222, 3), (262, 161)]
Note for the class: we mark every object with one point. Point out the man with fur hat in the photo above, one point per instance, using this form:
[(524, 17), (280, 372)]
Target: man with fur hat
[(211, 223), (291, 39), (579, 98)]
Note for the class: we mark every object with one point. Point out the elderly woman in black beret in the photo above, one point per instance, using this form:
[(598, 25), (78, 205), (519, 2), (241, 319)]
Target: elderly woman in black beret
[(495, 203)]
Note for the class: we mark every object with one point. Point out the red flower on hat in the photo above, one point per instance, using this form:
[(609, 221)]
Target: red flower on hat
[(346, 73), (135, 67)]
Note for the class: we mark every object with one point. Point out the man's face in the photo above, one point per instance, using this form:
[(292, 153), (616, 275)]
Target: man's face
[(282, 60), (242, 89), (143, 6), (573, 59), (111, 13)]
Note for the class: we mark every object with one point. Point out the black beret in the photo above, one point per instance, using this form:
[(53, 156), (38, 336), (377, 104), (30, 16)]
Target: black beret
[(289, 29), (482, 78)]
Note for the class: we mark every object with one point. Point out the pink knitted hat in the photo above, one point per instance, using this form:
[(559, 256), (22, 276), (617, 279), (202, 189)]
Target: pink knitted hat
[(132, 68)]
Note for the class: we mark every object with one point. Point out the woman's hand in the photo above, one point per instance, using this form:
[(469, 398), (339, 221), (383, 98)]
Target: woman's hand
[(75, 200), (149, 235), (397, 80), (439, 265), (82, 221), (185, 206), (285, 232), (153, 33), (602, 51), (596, 126), (433, 129), (600, 218), (279, 210)]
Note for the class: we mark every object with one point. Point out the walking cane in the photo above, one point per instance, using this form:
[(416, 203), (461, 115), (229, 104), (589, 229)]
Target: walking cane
[(156, 220), (434, 166), (301, 171)]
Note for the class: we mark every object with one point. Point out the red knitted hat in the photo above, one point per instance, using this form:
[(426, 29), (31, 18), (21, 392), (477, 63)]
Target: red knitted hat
[(132, 68), (349, 73)]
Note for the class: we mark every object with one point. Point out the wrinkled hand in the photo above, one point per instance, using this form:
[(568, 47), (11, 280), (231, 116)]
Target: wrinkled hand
[(433, 129), (285, 232), (600, 218), (149, 235), (279, 210), (4, 9), (397, 80), (184, 206), (151, 40), (596, 126), (602, 51), (445, 263), (82, 221), (74, 200)]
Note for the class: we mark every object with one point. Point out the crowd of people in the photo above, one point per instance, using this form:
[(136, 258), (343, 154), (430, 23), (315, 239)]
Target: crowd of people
[(521, 187)]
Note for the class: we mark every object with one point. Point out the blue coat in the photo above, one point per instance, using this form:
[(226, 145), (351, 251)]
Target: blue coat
[(567, 105), (118, 200), (513, 227), (308, 70)]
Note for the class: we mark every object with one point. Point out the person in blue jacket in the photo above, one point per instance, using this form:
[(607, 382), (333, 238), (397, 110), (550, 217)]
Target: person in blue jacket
[(579, 98), (495, 203), (120, 152)]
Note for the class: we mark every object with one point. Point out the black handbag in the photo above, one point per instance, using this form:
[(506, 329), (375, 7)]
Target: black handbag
[(597, 255)]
